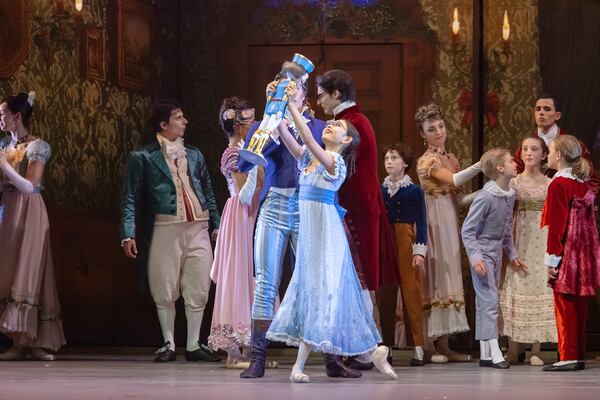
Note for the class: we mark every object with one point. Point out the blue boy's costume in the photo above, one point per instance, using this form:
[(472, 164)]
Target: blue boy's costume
[(277, 223)]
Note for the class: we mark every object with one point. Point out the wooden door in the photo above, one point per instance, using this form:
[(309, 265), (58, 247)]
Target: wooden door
[(375, 68)]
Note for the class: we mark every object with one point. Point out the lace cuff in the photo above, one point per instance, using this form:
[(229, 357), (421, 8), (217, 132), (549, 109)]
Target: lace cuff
[(551, 260), (419, 249)]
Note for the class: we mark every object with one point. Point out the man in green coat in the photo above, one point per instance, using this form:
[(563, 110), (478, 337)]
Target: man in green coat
[(167, 185)]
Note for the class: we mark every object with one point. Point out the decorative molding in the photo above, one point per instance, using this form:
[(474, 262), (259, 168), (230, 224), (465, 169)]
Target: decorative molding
[(293, 20)]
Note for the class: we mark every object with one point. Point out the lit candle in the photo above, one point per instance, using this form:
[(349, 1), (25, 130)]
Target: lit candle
[(78, 5), (505, 27), (455, 23)]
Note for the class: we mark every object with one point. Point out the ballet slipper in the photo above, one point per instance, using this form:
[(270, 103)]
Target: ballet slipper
[(297, 376), (42, 354), (237, 364), (453, 356), (536, 361), (379, 358)]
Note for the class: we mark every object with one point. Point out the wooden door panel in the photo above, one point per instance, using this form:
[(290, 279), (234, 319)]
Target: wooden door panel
[(376, 70)]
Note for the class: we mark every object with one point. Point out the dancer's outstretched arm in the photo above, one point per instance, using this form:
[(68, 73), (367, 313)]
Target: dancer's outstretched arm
[(292, 145), (313, 146)]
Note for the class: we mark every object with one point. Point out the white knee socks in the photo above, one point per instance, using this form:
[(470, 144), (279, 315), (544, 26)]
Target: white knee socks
[(496, 352), (484, 349), (194, 322), (166, 318)]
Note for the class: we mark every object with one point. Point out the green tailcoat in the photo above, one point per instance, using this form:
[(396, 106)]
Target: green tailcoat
[(148, 189)]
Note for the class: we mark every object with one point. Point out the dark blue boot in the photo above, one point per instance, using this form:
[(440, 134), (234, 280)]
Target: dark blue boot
[(259, 348)]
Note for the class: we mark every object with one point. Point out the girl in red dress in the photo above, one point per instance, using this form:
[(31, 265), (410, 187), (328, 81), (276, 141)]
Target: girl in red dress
[(572, 251)]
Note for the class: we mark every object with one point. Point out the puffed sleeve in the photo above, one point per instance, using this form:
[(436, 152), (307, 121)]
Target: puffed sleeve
[(38, 151), (427, 164), (339, 172)]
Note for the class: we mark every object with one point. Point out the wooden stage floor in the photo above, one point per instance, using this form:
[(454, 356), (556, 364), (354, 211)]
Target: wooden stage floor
[(121, 374)]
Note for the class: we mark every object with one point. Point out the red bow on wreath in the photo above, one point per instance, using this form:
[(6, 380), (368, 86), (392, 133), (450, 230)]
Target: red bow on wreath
[(492, 106)]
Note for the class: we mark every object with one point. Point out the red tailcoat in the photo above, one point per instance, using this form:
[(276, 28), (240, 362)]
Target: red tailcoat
[(573, 235), (550, 172), (366, 218)]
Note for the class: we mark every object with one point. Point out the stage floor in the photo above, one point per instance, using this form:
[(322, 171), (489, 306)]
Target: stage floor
[(83, 376)]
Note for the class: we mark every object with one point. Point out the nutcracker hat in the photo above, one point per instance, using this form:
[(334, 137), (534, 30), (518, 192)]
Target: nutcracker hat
[(304, 62)]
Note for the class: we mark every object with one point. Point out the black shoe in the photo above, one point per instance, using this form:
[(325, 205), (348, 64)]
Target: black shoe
[(567, 367), (203, 353), (165, 354), (501, 365), (580, 365), (415, 362), (486, 363), (336, 369), (357, 365)]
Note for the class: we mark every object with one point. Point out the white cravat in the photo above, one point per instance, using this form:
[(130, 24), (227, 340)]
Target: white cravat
[(171, 150), (342, 106), (550, 136)]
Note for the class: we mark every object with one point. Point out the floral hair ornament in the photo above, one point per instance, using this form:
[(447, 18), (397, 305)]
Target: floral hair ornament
[(245, 116), (228, 114), (31, 98), (426, 112)]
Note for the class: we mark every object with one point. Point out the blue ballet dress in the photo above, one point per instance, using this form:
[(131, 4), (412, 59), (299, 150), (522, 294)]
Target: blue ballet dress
[(324, 304)]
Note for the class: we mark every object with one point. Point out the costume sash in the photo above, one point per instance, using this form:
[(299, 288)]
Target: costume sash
[(313, 193)]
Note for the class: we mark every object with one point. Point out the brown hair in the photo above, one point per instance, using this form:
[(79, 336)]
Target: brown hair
[(404, 151), (491, 159), (570, 150), (545, 150), (337, 79), (228, 123), (429, 112)]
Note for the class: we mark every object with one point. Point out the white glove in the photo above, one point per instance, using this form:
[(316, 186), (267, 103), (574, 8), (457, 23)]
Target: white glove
[(247, 191), (464, 176), (22, 184)]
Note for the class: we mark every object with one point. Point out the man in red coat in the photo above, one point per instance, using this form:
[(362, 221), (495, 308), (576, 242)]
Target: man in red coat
[(547, 112), (369, 231)]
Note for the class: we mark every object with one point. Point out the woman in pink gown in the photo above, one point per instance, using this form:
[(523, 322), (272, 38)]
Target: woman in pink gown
[(233, 267), (29, 307)]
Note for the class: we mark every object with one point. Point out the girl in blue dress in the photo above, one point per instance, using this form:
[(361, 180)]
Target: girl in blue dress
[(324, 308)]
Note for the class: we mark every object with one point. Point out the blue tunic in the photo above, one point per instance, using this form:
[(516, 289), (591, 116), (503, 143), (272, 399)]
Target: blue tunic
[(324, 304), (407, 206)]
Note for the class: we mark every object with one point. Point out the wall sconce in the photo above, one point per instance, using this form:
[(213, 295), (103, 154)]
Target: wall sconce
[(455, 27), (497, 62), (506, 34)]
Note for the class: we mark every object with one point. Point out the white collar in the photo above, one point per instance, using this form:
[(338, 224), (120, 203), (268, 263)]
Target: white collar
[(566, 173), (493, 188), (550, 136), (171, 150), (342, 106), (393, 187)]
